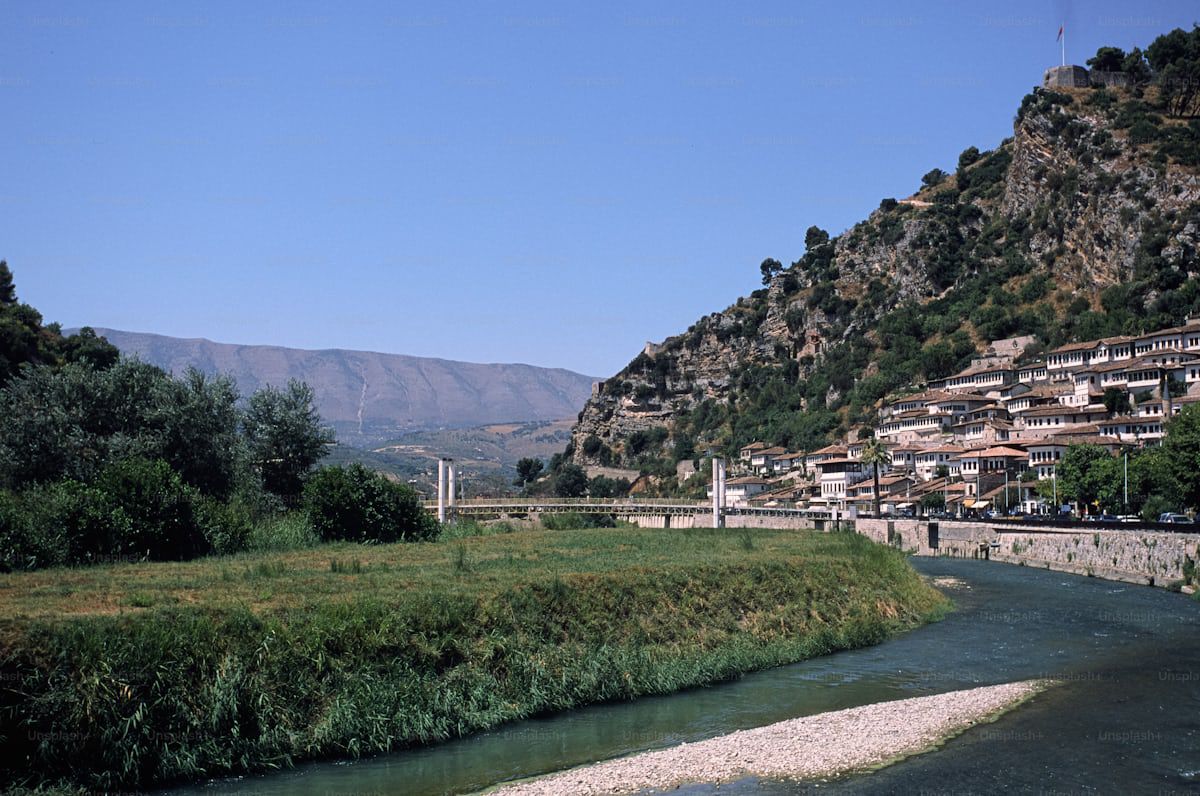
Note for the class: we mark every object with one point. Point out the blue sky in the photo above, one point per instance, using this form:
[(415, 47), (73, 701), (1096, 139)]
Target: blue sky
[(547, 183)]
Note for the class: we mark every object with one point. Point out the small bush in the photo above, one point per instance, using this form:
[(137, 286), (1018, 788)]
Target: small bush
[(573, 520), (355, 504)]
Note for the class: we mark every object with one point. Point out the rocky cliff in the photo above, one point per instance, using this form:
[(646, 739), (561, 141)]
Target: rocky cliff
[(1084, 223)]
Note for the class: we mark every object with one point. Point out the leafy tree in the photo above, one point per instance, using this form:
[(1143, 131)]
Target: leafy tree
[(1175, 59), (1090, 475), (684, 449), (1181, 449), (528, 470), (24, 340), (1136, 67), (355, 504), (875, 454), (8, 291), (814, 237), (20, 329), (571, 481), (1152, 481), (74, 420), (86, 347), (1108, 59), (285, 437), (605, 487), (592, 445), (1116, 401), (769, 268), (967, 157), (933, 178), (933, 501), (201, 438)]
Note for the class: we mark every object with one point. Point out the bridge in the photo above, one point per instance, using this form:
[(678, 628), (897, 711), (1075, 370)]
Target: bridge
[(642, 510)]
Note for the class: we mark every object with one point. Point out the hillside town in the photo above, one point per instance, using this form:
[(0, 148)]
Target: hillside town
[(984, 439)]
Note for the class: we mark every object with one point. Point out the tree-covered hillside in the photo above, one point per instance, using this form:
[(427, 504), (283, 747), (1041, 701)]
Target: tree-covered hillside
[(1085, 223)]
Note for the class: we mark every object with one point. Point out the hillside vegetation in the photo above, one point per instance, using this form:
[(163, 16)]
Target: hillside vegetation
[(128, 676), (1085, 223)]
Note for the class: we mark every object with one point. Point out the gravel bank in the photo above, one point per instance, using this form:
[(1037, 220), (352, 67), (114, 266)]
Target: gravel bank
[(804, 748)]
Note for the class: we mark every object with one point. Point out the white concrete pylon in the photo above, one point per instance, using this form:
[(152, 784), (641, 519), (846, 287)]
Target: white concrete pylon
[(716, 492), (441, 490), (450, 466), (724, 503)]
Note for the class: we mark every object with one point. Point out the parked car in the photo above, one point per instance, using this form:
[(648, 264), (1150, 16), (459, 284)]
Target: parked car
[(1106, 518), (1174, 519)]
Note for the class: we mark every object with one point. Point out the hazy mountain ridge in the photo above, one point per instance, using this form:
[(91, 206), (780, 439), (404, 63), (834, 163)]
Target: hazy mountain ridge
[(371, 397)]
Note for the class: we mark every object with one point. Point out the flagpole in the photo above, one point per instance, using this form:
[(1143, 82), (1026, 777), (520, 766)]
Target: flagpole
[(1064, 42)]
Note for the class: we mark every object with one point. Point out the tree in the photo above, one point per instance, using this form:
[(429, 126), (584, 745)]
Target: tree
[(1152, 482), (967, 157), (1136, 67), (86, 347), (933, 501), (1108, 59), (355, 504), (201, 439), (20, 329), (1116, 401), (1175, 59), (284, 435), (527, 470), (8, 292), (1090, 475), (875, 454), (933, 178), (769, 268), (571, 481), (605, 487), (1181, 447), (814, 237)]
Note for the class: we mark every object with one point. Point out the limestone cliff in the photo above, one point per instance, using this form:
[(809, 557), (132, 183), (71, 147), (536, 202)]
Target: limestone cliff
[(1085, 222)]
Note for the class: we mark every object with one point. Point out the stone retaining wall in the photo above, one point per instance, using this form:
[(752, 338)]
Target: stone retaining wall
[(1152, 558)]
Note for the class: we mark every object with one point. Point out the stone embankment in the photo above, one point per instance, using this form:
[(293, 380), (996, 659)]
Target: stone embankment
[(1152, 558), (806, 748)]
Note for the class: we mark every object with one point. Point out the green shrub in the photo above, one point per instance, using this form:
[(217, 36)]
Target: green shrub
[(573, 520), (355, 504), (227, 526), (165, 523)]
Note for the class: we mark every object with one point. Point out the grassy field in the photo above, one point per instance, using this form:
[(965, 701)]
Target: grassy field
[(136, 674)]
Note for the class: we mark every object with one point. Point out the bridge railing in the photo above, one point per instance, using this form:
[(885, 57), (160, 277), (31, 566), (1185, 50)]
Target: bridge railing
[(572, 502)]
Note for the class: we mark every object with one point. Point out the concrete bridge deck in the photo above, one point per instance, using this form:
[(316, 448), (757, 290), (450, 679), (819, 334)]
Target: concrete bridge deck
[(476, 507)]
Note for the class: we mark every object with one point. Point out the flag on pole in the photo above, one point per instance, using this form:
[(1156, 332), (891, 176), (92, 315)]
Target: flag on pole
[(1060, 32)]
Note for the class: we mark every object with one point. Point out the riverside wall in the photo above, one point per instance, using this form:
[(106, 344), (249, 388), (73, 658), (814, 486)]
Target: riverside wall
[(1152, 558)]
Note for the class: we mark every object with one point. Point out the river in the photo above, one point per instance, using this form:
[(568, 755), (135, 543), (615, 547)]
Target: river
[(1125, 717)]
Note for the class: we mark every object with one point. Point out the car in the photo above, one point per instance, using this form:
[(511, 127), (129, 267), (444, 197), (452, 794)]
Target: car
[(1106, 517), (1174, 519)]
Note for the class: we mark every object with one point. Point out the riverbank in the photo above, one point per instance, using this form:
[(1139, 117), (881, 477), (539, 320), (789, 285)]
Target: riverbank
[(821, 746), (135, 675)]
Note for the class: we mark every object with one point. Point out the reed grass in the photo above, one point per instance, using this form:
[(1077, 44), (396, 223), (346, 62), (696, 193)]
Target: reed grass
[(399, 645)]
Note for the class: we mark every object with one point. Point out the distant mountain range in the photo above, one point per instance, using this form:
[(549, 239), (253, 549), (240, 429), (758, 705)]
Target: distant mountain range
[(369, 397)]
